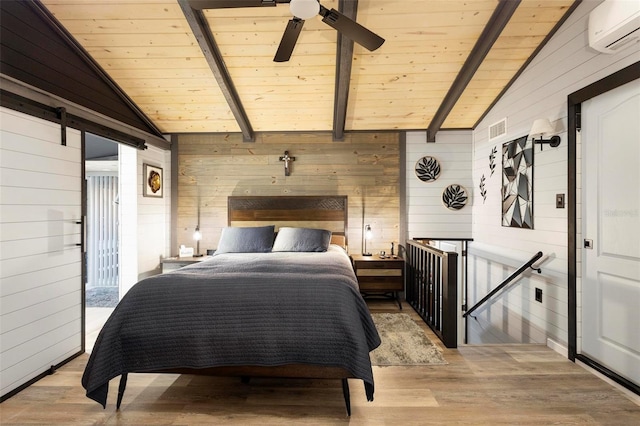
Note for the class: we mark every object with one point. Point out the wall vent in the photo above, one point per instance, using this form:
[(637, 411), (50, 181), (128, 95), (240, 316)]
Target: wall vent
[(498, 129)]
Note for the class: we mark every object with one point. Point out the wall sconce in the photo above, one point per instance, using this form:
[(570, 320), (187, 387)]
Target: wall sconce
[(367, 236), (197, 235), (540, 127)]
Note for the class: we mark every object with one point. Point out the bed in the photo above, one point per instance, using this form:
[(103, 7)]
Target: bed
[(288, 308)]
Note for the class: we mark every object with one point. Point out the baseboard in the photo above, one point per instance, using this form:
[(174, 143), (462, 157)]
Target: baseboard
[(562, 350), (630, 395), (558, 347)]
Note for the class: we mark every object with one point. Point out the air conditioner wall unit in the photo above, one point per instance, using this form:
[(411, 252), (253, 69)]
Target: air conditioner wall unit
[(614, 25)]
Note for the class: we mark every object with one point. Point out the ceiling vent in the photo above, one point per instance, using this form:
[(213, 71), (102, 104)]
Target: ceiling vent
[(498, 129)]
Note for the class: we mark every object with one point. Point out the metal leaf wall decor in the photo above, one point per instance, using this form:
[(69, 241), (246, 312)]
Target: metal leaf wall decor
[(483, 189), (454, 197), (492, 160), (427, 169)]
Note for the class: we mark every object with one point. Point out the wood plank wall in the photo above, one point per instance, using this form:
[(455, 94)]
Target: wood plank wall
[(427, 216), (40, 263), (153, 214), (365, 167)]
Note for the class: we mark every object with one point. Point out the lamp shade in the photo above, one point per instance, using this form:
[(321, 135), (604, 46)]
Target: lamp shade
[(367, 236), (304, 9), (197, 235), (541, 126)]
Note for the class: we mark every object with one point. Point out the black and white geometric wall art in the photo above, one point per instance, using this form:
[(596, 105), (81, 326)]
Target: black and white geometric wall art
[(454, 197), (427, 169), (517, 183)]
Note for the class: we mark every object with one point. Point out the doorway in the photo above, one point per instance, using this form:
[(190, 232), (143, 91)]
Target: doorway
[(611, 230), (604, 255), (102, 282)]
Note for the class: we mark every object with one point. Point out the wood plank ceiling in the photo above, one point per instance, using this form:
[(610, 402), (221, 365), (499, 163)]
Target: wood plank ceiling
[(149, 49)]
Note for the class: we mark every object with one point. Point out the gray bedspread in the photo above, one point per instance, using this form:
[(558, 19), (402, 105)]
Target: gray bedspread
[(259, 309)]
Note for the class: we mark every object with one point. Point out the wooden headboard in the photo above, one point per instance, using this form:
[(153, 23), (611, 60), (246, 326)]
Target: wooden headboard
[(324, 212)]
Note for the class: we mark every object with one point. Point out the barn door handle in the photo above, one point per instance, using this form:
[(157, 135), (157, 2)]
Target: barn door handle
[(83, 222)]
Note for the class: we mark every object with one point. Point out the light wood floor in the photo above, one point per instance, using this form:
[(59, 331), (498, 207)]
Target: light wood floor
[(94, 320), (512, 384)]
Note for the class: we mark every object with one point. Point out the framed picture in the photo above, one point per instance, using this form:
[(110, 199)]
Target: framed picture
[(152, 185), (517, 183)]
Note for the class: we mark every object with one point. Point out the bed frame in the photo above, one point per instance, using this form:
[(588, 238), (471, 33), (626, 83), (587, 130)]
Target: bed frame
[(325, 212)]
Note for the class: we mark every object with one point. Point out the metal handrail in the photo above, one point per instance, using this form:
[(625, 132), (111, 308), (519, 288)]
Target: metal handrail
[(506, 281)]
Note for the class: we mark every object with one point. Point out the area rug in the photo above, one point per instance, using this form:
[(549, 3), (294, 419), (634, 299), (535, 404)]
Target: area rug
[(403, 342), (101, 297)]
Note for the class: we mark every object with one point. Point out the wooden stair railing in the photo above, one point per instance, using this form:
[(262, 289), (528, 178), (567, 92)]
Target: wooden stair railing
[(431, 288)]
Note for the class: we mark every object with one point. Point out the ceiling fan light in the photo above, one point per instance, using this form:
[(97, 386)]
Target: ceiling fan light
[(304, 9)]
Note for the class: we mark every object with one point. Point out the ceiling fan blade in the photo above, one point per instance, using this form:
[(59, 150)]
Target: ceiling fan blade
[(350, 28), (225, 4), (289, 39)]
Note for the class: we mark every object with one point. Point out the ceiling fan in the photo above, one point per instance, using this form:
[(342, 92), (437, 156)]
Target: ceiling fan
[(301, 10)]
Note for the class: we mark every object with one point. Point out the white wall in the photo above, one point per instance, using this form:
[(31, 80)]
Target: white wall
[(427, 216), (564, 65), (145, 221), (128, 169), (154, 215)]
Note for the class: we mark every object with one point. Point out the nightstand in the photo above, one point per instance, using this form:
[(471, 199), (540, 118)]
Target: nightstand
[(172, 263), (379, 276)]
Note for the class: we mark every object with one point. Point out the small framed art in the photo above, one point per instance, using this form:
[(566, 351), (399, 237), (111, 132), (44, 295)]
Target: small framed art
[(152, 185), (428, 169)]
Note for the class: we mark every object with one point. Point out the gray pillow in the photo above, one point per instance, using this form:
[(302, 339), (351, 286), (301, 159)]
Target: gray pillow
[(302, 239), (255, 239)]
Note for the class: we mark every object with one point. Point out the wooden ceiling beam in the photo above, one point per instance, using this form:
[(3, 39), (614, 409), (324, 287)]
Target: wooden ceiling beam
[(533, 54), (344, 59), (499, 19), (211, 52)]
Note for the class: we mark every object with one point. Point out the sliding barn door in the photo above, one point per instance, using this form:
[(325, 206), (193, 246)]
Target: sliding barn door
[(40, 259)]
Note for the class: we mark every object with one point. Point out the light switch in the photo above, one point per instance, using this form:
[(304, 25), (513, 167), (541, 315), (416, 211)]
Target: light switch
[(559, 201)]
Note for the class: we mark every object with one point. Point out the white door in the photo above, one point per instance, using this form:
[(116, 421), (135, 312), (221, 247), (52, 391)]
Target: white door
[(40, 261), (611, 229)]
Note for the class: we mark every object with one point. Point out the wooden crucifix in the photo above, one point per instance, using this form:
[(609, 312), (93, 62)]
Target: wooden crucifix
[(287, 159)]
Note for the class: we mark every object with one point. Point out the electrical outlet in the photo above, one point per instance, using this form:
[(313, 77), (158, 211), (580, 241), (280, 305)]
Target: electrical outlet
[(538, 295), (559, 201)]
